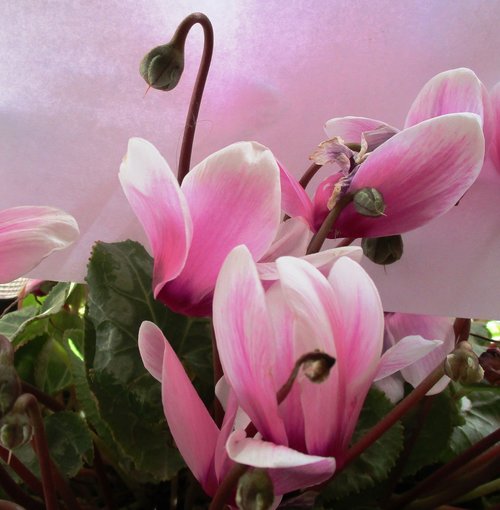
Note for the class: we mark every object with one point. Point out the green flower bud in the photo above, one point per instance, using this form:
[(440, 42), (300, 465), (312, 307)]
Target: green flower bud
[(317, 368), (255, 490), (369, 202), (383, 250), (462, 365), (162, 67), (15, 430)]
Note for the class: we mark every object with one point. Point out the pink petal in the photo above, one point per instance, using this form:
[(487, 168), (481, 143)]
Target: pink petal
[(155, 197), (192, 427), (421, 172), (310, 299), (29, 234), (151, 347), (323, 261), (392, 386), (495, 145), (454, 91), (408, 350), (292, 239), (351, 128), (234, 198), (430, 327), (358, 324), (289, 469), (294, 200), (245, 342)]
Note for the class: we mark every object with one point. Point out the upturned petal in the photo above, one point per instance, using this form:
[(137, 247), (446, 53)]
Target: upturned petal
[(151, 344), (192, 427), (29, 234), (453, 91), (234, 198), (292, 239), (352, 128), (358, 324), (245, 342), (289, 469), (421, 173), (294, 200), (156, 199)]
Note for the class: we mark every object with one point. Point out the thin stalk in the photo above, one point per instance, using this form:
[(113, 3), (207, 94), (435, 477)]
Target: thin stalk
[(482, 490), (201, 78), (394, 415), (447, 470), (21, 470), (48, 401), (30, 404), (308, 175), (327, 225), (346, 242), (226, 488), (15, 492)]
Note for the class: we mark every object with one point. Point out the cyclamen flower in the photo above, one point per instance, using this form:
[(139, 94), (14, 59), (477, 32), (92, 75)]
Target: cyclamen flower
[(28, 234), (260, 335), (408, 328), (421, 171), (234, 196)]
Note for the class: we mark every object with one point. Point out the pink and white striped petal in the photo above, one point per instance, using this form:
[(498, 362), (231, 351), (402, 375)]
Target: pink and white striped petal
[(234, 198), (151, 344), (294, 200), (245, 342), (191, 425), (421, 172), (289, 469), (292, 239), (156, 199), (28, 234)]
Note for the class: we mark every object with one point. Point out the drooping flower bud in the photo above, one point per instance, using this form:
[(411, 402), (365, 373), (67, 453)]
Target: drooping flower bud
[(383, 250), (255, 490), (462, 365), (162, 67), (317, 367), (6, 351), (490, 362), (15, 430), (10, 388), (369, 202)]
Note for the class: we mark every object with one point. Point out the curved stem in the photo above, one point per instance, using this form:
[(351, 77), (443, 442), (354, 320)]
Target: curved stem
[(30, 404), (15, 492), (226, 488), (320, 236), (201, 78), (21, 470), (308, 175)]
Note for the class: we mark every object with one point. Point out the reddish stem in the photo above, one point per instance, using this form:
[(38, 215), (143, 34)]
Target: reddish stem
[(21, 470), (15, 492), (308, 175)]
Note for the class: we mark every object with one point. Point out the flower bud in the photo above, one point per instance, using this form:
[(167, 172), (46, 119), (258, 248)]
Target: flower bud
[(462, 365), (383, 250), (369, 202), (162, 67), (317, 368), (15, 430), (490, 362), (255, 490)]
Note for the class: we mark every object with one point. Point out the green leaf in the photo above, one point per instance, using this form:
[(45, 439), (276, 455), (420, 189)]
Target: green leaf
[(429, 427), (373, 466), (480, 409), (69, 441), (52, 373), (129, 399), (27, 323)]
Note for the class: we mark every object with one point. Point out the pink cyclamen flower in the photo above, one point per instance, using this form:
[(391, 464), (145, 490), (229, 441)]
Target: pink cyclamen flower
[(410, 329), (421, 171), (28, 234), (260, 335), (234, 196)]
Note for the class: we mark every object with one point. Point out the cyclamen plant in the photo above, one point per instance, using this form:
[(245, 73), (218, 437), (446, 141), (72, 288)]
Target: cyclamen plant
[(242, 357)]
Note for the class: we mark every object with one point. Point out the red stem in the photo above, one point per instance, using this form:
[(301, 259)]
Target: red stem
[(15, 492), (21, 470)]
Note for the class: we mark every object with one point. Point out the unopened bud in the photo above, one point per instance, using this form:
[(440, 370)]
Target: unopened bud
[(369, 202), (10, 388), (383, 250), (162, 67), (317, 368), (255, 490), (490, 362), (462, 365), (15, 430)]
